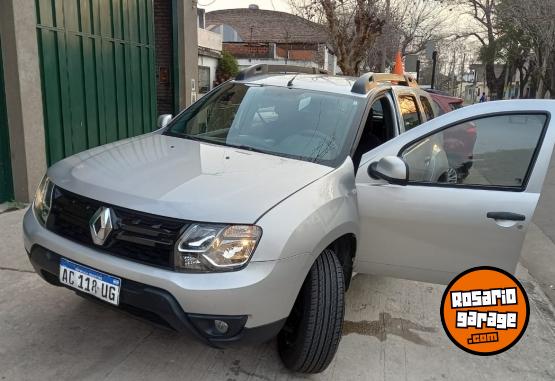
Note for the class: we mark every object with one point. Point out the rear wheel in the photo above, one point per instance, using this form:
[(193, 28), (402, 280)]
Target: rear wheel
[(308, 341)]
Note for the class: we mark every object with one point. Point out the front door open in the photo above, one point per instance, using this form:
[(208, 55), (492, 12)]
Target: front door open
[(474, 180)]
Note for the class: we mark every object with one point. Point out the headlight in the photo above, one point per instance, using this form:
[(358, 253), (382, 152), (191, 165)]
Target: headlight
[(43, 200), (214, 247)]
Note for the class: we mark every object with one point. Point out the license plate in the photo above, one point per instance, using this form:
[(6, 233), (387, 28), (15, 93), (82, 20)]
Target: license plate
[(90, 281)]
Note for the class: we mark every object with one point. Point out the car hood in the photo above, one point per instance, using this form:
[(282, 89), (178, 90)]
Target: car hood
[(184, 179)]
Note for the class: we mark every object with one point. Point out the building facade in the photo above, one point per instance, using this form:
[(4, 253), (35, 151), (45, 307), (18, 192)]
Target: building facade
[(81, 73), (256, 36), (209, 53)]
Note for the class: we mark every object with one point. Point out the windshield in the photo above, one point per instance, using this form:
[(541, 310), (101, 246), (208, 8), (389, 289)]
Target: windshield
[(301, 124)]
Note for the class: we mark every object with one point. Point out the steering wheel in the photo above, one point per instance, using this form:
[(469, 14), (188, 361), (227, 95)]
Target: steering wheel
[(262, 118), (330, 142)]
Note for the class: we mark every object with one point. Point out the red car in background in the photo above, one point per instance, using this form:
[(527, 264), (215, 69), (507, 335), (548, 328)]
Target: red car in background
[(458, 142), (443, 102)]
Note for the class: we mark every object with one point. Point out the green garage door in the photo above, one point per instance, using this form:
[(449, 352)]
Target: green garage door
[(97, 69), (6, 188)]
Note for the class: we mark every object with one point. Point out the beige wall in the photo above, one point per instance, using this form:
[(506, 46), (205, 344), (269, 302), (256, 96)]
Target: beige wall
[(209, 40), (23, 95), (187, 46)]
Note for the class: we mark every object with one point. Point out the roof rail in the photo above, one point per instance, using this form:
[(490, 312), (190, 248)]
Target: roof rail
[(261, 69), (368, 81)]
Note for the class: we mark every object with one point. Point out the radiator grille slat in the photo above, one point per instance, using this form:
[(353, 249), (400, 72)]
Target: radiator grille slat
[(137, 236)]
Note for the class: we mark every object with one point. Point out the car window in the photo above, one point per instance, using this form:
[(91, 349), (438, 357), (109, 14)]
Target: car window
[(455, 106), (301, 124), (427, 107), (409, 111), (437, 107), (492, 151)]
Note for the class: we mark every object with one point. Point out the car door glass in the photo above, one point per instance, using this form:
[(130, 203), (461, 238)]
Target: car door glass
[(493, 151), (427, 108), (409, 111)]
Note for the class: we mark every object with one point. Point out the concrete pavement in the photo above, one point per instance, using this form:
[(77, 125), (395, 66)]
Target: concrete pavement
[(392, 332), (540, 261)]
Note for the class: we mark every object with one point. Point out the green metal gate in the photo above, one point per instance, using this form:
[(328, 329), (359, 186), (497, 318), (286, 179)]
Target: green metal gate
[(98, 72), (6, 185)]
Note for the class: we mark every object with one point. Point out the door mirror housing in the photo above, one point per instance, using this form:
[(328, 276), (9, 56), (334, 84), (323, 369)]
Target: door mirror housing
[(392, 169), (164, 120)]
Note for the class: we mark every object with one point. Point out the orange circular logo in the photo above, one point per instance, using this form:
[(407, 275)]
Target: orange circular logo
[(485, 310)]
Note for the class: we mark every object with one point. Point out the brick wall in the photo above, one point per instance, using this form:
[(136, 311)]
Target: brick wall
[(246, 50), (297, 51), (163, 37), (295, 54)]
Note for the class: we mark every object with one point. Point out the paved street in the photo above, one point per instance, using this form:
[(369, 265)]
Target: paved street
[(392, 331), (541, 263)]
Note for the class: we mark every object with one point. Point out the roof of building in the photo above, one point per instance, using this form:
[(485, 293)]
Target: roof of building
[(268, 26)]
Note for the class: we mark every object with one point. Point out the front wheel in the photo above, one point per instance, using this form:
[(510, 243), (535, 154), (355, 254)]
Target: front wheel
[(308, 341)]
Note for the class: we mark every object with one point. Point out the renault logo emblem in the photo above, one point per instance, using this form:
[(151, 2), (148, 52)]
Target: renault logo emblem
[(101, 225)]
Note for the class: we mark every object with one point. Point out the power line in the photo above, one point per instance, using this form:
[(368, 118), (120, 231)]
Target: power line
[(207, 5)]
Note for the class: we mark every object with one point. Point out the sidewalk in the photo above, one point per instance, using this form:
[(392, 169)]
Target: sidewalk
[(392, 332)]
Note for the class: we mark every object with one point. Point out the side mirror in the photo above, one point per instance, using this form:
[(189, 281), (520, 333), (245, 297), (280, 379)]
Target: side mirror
[(164, 120), (392, 169)]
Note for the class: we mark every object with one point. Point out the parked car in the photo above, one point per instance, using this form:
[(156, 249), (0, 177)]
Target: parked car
[(245, 216), (459, 142), (443, 102)]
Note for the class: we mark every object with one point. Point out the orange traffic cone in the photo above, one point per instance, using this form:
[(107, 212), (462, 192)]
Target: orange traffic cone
[(398, 68)]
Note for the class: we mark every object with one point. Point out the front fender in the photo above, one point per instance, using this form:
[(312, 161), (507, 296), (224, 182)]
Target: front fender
[(311, 219)]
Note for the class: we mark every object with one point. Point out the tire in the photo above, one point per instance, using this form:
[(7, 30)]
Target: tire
[(308, 341), (451, 176)]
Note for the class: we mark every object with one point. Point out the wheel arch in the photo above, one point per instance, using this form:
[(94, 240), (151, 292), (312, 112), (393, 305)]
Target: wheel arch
[(345, 248)]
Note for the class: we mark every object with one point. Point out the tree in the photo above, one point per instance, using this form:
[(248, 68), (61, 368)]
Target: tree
[(410, 25), (484, 12), (353, 26), (534, 21), (406, 25), (227, 67), (421, 21), (516, 51)]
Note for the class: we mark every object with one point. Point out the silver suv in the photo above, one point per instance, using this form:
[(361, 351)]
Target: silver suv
[(245, 217)]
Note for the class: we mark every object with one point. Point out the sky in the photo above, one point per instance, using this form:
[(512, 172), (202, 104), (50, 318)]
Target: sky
[(212, 5)]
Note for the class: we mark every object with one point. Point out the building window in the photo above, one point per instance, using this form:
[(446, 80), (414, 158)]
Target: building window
[(204, 79), (201, 20), (228, 33)]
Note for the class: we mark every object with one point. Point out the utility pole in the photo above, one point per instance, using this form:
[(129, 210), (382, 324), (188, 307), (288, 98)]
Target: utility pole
[(417, 70), (250, 45), (434, 62), (462, 75), (474, 82)]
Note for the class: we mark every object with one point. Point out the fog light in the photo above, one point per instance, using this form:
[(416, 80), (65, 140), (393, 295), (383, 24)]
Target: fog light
[(221, 326)]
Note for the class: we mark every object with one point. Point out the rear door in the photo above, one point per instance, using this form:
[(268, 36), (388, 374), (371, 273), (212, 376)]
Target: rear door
[(432, 229), (409, 109)]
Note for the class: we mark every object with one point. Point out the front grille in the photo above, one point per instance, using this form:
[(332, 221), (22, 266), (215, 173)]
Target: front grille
[(138, 236)]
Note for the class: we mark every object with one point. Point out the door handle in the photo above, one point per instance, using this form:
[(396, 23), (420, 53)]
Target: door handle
[(507, 216)]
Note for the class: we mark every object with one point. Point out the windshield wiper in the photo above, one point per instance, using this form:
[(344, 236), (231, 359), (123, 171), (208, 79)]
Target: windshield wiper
[(240, 146), (249, 148), (196, 138)]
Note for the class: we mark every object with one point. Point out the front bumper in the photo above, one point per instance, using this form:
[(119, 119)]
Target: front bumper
[(161, 308), (257, 299)]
